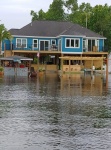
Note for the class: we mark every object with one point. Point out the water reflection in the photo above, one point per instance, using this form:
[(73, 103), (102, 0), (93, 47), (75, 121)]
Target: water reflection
[(55, 113), (83, 85)]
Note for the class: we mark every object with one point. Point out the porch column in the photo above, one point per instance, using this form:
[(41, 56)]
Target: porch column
[(29, 65), (81, 60), (38, 62), (56, 56), (107, 70), (92, 68), (69, 67), (62, 65), (102, 66)]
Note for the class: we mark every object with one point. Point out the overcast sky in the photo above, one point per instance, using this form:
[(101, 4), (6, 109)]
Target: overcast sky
[(16, 13)]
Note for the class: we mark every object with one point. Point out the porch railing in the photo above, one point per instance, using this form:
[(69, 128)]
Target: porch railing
[(32, 47), (94, 49)]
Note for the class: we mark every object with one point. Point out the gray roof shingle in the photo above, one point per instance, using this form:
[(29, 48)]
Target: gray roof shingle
[(53, 29)]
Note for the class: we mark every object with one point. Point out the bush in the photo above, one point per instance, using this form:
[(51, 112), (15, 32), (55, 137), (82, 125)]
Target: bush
[(1, 69)]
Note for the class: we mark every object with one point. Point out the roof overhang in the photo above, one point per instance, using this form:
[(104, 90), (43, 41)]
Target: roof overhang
[(16, 58)]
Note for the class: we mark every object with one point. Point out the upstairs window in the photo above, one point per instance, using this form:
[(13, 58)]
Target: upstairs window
[(35, 43), (21, 42), (72, 43), (53, 42)]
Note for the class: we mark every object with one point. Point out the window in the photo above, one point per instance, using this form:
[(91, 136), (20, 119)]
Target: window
[(76, 43), (72, 43), (67, 43), (35, 43), (84, 44), (21, 43), (53, 42)]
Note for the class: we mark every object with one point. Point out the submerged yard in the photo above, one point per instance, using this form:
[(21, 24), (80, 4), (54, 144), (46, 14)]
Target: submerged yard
[(53, 113)]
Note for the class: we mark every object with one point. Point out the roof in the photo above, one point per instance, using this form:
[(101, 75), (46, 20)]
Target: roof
[(47, 28), (16, 58)]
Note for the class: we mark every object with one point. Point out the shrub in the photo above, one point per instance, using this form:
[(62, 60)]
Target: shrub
[(1, 69)]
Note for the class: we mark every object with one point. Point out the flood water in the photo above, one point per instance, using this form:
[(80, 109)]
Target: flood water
[(55, 113)]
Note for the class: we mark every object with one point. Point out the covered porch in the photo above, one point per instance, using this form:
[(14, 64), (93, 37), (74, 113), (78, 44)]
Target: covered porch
[(16, 65), (77, 64)]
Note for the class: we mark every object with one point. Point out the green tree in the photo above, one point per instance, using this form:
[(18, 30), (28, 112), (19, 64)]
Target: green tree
[(34, 15), (4, 34), (81, 15), (71, 5), (85, 10), (99, 18), (40, 15), (56, 11)]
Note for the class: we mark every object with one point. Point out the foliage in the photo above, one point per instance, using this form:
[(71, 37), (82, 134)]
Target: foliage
[(1, 69), (35, 60), (55, 11), (71, 5), (4, 34), (38, 16)]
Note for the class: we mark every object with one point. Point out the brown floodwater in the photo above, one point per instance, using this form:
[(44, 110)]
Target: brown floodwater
[(55, 113)]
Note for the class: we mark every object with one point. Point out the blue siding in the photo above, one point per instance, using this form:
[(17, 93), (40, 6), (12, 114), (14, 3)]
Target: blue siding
[(71, 50), (63, 44), (30, 42), (7, 45), (101, 45)]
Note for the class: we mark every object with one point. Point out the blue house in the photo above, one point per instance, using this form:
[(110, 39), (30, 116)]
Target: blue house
[(48, 42)]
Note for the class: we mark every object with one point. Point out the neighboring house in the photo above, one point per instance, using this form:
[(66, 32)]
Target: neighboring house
[(54, 39)]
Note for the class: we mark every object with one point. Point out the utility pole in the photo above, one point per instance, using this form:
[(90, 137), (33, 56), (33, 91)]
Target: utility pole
[(86, 20)]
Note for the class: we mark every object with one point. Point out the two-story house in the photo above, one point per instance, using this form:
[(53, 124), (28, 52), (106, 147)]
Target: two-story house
[(54, 44)]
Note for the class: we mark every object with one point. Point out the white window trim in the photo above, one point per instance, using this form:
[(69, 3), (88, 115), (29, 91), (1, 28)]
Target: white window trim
[(21, 42), (97, 44), (37, 43), (74, 42)]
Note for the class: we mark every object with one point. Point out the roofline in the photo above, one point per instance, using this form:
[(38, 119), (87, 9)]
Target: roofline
[(96, 37), (33, 36), (60, 36), (71, 35)]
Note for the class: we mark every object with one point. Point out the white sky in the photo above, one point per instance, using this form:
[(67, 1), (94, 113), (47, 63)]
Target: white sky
[(16, 13)]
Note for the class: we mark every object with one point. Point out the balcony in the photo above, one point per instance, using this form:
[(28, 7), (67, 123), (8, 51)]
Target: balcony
[(95, 49), (52, 48)]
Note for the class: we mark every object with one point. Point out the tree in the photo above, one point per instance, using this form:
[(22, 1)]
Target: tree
[(4, 34), (85, 10), (40, 15), (34, 15), (71, 5), (56, 11)]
